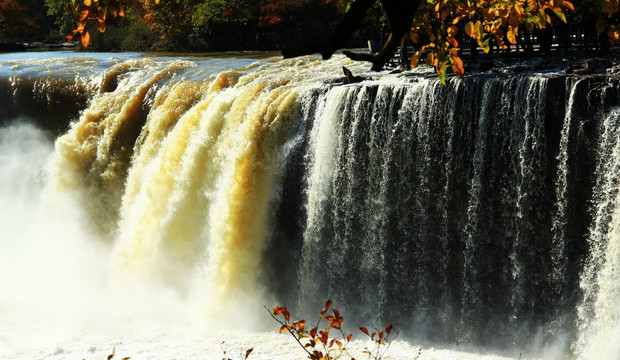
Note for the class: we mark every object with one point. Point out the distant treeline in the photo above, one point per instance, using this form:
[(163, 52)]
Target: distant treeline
[(186, 25)]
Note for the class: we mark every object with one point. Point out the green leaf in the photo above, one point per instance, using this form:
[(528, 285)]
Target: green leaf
[(486, 45), (529, 26), (560, 15), (600, 24), (442, 75)]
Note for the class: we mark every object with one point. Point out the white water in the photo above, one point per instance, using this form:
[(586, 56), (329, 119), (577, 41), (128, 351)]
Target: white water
[(152, 249), (56, 301)]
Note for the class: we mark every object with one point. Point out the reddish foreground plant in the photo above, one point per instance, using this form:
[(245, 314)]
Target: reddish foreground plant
[(317, 342)]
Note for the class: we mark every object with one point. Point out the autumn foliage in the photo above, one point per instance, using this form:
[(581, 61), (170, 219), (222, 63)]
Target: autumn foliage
[(439, 32), (318, 341), (439, 23), (15, 20)]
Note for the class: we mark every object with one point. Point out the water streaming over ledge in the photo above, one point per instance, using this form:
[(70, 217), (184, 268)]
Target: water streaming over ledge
[(483, 212)]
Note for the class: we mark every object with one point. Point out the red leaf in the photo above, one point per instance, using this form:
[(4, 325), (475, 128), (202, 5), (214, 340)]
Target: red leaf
[(328, 303), (349, 337), (331, 343), (112, 354), (388, 328), (364, 330), (248, 352), (278, 310), (313, 333)]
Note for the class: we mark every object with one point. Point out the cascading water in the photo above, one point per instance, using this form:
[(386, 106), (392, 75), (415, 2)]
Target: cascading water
[(479, 213)]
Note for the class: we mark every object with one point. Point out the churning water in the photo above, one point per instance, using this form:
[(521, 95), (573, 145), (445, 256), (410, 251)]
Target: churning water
[(157, 204)]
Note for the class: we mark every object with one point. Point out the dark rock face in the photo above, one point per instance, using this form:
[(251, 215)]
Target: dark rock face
[(590, 67)]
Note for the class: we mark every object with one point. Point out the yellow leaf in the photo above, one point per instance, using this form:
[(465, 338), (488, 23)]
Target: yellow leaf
[(469, 29), (415, 59), (479, 30), (87, 2), (511, 37)]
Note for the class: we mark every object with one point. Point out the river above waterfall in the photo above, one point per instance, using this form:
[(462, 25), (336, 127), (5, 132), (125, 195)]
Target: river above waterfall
[(157, 204)]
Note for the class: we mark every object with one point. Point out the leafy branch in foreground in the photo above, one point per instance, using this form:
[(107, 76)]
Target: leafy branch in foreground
[(317, 342)]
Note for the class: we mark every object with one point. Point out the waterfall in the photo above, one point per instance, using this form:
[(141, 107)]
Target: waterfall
[(481, 212)]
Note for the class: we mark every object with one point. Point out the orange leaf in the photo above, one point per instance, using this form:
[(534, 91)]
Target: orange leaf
[(457, 66), (328, 303), (388, 328), (349, 337), (283, 329), (101, 25), (87, 2), (569, 5), (83, 15), (85, 39), (364, 330)]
